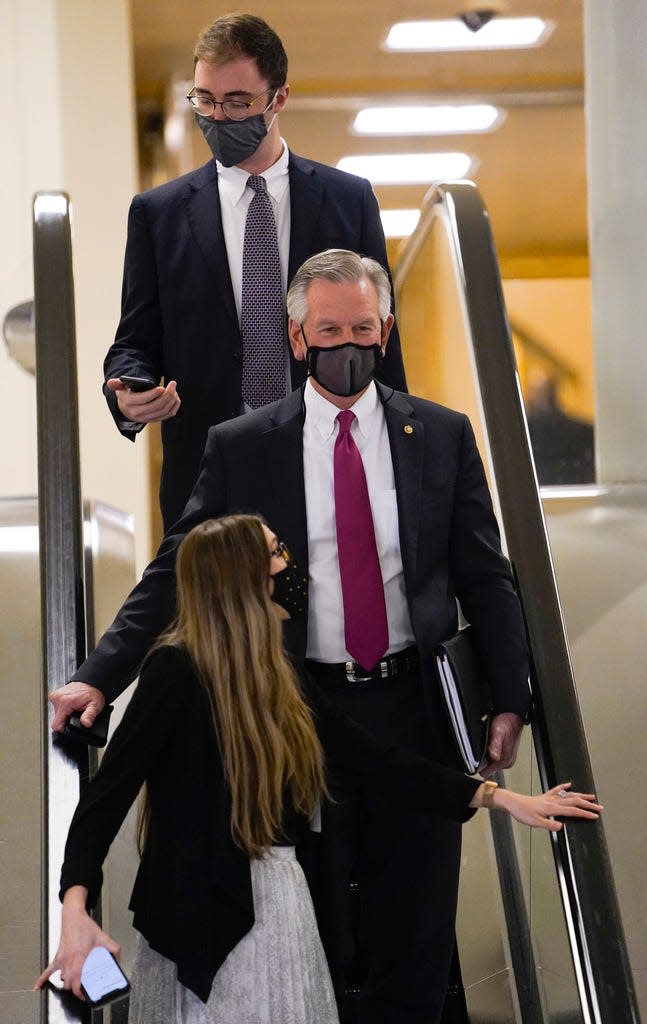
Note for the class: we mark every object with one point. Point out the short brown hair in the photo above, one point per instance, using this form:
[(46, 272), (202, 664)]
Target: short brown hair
[(244, 35)]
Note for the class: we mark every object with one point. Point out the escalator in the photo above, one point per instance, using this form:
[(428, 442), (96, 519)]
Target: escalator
[(65, 566), (539, 931)]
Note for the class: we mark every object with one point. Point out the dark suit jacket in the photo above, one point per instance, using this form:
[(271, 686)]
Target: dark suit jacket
[(448, 535), (192, 899), (179, 317)]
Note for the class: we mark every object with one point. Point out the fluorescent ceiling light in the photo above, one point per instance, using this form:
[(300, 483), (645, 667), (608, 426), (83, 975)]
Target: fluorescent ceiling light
[(399, 223), (453, 34), (407, 168), (434, 120)]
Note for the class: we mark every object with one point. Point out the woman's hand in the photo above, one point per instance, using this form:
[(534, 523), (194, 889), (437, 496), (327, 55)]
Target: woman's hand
[(79, 934), (539, 811)]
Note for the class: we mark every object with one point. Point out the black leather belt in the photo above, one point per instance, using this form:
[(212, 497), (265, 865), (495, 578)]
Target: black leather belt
[(349, 671)]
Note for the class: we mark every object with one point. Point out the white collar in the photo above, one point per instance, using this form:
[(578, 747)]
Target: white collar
[(232, 181), (322, 414)]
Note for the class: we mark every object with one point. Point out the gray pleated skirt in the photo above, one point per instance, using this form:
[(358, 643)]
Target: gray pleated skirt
[(277, 974)]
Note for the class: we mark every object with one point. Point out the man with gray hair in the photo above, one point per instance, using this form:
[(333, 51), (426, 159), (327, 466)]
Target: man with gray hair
[(382, 500)]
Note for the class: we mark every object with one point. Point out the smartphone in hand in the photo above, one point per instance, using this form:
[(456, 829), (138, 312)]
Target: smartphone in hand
[(95, 735), (102, 979), (139, 383)]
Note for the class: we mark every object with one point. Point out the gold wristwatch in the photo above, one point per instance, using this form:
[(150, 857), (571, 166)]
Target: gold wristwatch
[(488, 795)]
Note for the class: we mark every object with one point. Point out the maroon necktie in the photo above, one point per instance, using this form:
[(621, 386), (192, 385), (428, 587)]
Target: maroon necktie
[(365, 626)]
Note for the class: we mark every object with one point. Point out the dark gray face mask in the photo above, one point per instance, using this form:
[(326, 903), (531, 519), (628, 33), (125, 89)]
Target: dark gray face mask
[(231, 142), (344, 370)]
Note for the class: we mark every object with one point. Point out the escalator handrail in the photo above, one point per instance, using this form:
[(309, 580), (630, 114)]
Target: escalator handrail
[(582, 860), (60, 552)]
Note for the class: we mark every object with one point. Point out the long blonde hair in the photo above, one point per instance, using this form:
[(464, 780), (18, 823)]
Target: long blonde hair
[(228, 624)]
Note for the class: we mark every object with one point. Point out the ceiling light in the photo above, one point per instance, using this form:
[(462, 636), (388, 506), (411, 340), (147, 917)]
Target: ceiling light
[(452, 34), (434, 120), (399, 223), (407, 168)]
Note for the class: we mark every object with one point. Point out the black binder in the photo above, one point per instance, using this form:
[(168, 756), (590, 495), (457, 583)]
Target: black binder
[(466, 696)]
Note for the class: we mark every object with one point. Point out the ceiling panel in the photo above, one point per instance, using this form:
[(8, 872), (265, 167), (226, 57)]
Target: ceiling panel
[(531, 171)]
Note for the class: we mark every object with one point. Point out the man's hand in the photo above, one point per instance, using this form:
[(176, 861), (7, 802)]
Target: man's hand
[(505, 736), (76, 696), (146, 406)]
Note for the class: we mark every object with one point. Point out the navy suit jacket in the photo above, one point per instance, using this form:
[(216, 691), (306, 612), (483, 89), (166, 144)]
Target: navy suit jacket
[(448, 536), (179, 317)]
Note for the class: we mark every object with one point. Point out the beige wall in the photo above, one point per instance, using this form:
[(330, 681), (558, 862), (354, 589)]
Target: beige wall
[(557, 313), (554, 312), (67, 106), (616, 84)]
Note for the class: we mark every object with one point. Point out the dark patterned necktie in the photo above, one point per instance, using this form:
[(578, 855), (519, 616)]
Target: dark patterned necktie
[(366, 630), (262, 308)]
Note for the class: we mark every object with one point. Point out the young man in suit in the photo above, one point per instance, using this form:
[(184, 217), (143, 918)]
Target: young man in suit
[(382, 593), (193, 285)]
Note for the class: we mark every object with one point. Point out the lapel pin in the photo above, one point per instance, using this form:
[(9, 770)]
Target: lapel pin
[(408, 429)]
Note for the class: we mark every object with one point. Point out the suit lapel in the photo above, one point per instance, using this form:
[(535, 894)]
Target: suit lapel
[(205, 219), (282, 447), (407, 440), (306, 197)]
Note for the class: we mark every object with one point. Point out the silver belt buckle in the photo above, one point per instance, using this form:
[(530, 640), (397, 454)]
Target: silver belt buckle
[(352, 676)]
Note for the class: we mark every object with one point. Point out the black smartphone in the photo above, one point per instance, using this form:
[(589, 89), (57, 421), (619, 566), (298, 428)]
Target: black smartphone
[(102, 979), (139, 383), (95, 735)]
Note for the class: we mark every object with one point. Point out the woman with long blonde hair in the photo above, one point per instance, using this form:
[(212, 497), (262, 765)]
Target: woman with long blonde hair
[(221, 734)]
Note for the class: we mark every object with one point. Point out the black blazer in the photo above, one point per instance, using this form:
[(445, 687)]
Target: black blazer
[(448, 535), (179, 318), (192, 898)]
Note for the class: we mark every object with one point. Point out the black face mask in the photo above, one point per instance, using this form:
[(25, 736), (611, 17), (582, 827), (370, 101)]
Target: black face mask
[(290, 590), (231, 142), (344, 370)]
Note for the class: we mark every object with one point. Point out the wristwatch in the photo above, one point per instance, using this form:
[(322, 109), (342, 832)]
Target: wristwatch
[(488, 794)]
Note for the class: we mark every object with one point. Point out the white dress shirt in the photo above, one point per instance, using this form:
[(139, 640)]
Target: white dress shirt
[(326, 612)]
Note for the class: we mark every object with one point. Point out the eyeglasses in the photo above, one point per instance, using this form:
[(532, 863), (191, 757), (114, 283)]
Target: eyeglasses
[(281, 551), (235, 110)]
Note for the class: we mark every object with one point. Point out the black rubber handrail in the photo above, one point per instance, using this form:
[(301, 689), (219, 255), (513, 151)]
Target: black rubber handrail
[(583, 866), (61, 555)]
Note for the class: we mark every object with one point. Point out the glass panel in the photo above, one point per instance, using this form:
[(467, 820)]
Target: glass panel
[(599, 541), (551, 333), (110, 575)]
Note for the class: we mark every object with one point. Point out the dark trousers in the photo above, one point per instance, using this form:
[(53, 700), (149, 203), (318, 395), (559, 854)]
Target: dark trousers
[(385, 881)]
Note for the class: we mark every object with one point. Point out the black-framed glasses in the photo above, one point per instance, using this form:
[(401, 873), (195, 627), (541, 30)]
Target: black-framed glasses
[(235, 110), (281, 551)]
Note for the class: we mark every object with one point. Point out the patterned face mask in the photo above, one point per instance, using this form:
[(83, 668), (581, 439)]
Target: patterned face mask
[(290, 590)]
